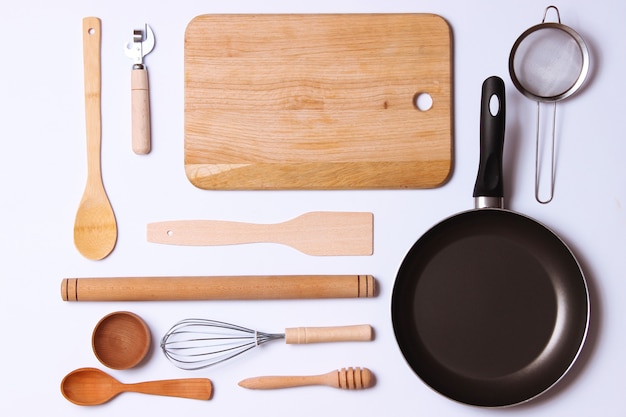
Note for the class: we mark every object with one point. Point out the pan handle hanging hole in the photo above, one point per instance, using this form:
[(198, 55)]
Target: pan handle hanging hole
[(494, 105), (423, 101), (169, 233)]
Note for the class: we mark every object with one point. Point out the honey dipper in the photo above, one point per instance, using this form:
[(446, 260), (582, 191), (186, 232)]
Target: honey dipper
[(345, 378)]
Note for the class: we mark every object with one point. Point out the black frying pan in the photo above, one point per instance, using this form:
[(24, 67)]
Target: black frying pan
[(489, 307)]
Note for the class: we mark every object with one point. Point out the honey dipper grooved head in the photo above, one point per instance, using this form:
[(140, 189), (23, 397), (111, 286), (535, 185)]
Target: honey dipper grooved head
[(355, 378)]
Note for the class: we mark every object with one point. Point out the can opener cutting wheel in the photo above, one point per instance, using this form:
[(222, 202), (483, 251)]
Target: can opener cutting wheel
[(142, 45)]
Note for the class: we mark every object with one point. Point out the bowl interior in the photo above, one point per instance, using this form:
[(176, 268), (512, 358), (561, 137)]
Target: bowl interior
[(121, 340)]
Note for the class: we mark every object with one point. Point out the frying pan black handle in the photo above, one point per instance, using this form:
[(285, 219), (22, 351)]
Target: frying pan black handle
[(489, 182)]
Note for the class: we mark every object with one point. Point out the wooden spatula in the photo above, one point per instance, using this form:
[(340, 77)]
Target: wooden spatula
[(314, 233)]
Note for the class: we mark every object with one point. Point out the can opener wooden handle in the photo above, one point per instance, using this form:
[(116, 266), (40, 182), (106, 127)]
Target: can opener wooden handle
[(142, 45)]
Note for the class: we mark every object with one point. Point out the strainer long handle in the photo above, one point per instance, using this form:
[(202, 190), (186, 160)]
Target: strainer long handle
[(552, 156), (305, 335)]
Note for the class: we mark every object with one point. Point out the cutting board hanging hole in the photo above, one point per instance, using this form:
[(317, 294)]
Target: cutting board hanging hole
[(423, 101)]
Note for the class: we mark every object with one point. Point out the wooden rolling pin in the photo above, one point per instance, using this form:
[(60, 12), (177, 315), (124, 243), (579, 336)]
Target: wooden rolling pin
[(345, 378), (218, 288)]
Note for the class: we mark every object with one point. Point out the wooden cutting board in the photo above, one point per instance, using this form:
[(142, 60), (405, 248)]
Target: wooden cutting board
[(317, 101)]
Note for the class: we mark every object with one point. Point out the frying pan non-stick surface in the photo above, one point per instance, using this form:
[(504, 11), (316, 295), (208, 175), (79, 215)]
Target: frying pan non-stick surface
[(490, 307)]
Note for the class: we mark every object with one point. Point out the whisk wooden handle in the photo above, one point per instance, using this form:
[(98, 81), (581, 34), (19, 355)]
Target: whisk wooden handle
[(305, 335), (345, 378), (218, 288)]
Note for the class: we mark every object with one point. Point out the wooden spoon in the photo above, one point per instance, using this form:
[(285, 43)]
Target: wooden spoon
[(314, 233), (95, 228), (345, 378), (91, 386)]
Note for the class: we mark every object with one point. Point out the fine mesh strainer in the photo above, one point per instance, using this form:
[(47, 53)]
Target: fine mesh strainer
[(548, 63)]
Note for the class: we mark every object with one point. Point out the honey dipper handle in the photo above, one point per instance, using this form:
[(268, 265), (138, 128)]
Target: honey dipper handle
[(278, 382), (305, 335)]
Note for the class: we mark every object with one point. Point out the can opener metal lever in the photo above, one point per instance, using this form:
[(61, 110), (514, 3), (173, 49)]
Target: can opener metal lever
[(142, 45)]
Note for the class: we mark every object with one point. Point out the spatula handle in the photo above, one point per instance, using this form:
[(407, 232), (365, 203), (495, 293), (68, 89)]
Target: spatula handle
[(306, 335), (192, 388)]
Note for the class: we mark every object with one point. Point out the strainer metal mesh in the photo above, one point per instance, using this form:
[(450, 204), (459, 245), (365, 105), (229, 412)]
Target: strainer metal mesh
[(548, 63)]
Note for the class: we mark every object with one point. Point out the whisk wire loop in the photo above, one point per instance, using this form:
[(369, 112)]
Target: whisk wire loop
[(198, 343)]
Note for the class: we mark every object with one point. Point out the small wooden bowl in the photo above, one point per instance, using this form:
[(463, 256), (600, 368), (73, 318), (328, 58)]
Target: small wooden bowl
[(121, 340)]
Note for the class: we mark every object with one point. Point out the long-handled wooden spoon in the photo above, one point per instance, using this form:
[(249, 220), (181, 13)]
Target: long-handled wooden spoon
[(345, 378), (95, 228), (91, 386), (315, 233)]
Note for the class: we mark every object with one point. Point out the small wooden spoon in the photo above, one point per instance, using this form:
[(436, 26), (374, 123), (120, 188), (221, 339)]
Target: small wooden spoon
[(95, 228), (91, 386), (345, 378), (318, 233)]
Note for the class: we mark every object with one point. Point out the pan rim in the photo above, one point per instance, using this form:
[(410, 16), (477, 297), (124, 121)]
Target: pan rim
[(399, 302)]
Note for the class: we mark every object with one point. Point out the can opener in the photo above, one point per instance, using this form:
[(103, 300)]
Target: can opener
[(142, 45)]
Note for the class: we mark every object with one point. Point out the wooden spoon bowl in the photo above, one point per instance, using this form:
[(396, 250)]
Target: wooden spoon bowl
[(121, 340)]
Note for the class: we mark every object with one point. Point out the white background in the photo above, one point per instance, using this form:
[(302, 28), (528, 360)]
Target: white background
[(43, 170)]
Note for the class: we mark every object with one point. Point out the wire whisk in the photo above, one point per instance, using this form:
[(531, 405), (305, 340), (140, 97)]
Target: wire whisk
[(198, 343)]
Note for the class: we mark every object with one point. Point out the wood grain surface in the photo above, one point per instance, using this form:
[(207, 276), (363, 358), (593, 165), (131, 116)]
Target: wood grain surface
[(279, 287), (317, 101), (319, 233)]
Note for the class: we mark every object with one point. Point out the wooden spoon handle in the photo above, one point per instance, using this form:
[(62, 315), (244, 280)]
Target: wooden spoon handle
[(305, 335), (346, 378), (92, 35), (193, 388)]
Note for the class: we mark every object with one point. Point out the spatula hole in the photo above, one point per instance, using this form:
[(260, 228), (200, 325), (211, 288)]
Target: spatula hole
[(423, 101), (170, 233)]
